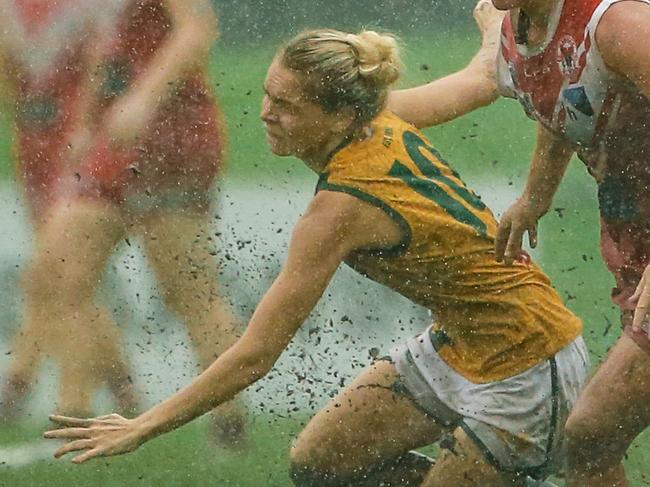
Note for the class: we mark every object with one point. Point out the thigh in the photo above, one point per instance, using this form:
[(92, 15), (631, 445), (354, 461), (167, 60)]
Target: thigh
[(181, 252), (76, 240), (75, 243), (364, 425), (615, 405)]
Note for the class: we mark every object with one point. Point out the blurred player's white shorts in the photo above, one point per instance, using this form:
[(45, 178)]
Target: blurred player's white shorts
[(518, 422)]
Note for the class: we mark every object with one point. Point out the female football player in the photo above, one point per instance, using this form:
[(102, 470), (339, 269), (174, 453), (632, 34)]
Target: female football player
[(496, 374)]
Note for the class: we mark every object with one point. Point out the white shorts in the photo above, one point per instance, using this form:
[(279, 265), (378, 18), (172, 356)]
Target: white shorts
[(517, 422)]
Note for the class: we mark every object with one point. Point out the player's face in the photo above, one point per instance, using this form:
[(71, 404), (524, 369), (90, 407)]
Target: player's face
[(295, 125)]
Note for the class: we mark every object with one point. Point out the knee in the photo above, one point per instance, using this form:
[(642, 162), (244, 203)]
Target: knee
[(589, 444), (52, 279), (305, 471), (580, 430), (300, 466)]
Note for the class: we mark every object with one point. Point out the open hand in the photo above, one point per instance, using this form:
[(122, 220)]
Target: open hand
[(520, 218), (98, 437), (489, 21)]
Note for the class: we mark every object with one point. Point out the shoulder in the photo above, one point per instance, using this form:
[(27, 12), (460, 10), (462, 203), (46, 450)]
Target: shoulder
[(336, 206), (618, 34)]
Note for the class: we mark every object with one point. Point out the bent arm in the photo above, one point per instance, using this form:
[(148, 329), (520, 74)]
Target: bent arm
[(446, 98), (552, 156), (459, 93), (194, 31), (193, 34), (618, 37)]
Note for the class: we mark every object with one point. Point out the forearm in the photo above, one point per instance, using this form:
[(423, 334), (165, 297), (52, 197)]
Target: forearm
[(231, 373), (188, 48), (280, 313), (550, 161)]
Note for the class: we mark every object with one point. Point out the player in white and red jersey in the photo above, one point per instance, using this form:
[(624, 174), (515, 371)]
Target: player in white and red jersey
[(43, 48), (581, 68), (152, 143)]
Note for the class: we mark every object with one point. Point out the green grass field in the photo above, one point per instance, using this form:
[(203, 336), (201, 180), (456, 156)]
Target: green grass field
[(491, 145)]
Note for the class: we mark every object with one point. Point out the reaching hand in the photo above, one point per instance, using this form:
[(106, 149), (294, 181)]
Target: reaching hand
[(641, 300), (520, 218), (489, 21), (100, 437)]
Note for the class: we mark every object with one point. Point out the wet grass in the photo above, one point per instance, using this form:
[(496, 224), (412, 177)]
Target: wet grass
[(185, 457)]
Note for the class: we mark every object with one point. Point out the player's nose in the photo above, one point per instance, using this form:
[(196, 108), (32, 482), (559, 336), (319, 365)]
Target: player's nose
[(266, 114)]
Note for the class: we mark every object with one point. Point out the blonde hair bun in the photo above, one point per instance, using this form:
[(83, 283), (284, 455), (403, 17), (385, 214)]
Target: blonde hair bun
[(378, 57), (345, 70)]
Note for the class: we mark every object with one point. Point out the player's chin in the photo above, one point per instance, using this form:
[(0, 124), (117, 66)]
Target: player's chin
[(276, 146)]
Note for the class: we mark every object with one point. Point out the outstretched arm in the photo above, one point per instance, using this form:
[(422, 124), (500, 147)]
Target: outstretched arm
[(334, 225), (459, 93)]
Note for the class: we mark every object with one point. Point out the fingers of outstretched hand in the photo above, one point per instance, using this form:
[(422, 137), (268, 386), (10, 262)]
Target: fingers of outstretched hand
[(73, 446), (95, 452), (68, 433), (110, 419), (68, 421)]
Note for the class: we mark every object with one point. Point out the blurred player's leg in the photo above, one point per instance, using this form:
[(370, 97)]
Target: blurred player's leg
[(613, 409), (180, 251), (61, 287), (100, 344), (26, 357), (364, 436)]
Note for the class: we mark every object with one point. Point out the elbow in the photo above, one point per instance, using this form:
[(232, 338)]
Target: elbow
[(256, 363)]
